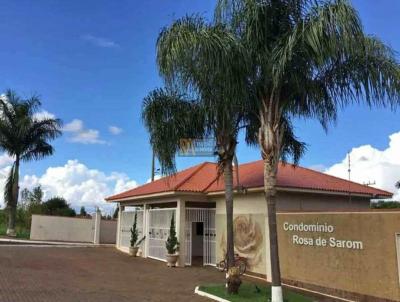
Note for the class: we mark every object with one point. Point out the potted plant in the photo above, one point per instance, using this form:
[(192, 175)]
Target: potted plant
[(133, 249), (172, 245)]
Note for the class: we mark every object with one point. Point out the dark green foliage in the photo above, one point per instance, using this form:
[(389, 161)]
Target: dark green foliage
[(58, 206), (252, 293), (172, 243), (82, 212), (115, 215), (135, 234), (22, 223), (385, 205)]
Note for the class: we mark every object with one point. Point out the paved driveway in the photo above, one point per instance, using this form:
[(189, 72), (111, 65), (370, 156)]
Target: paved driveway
[(94, 274)]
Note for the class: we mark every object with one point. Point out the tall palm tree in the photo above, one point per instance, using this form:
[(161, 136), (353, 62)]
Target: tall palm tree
[(25, 137), (307, 58), (219, 90), (187, 54)]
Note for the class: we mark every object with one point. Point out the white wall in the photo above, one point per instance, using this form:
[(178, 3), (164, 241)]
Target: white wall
[(61, 228), (71, 229)]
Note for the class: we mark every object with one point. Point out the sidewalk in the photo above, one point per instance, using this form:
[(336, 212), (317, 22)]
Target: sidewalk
[(14, 241)]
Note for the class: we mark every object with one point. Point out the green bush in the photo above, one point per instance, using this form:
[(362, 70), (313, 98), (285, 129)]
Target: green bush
[(172, 243), (381, 204)]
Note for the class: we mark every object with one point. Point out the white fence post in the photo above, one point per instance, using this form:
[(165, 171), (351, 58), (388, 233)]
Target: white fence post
[(118, 239), (97, 223)]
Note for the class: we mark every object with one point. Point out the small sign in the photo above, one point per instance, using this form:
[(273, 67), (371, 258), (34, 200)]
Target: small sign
[(320, 241), (190, 147)]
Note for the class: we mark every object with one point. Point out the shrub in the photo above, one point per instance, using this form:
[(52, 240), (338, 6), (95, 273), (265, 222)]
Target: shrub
[(381, 204), (172, 243), (135, 234)]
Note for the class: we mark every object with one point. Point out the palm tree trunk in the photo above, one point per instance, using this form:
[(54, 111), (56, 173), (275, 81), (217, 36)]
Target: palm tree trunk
[(270, 172), (228, 178), (13, 206)]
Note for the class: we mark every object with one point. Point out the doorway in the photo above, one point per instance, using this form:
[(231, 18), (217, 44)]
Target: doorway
[(197, 243), (200, 236)]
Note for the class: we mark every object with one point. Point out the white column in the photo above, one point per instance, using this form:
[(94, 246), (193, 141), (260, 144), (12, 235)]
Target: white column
[(180, 230), (118, 240), (97, 223), (145, 231)]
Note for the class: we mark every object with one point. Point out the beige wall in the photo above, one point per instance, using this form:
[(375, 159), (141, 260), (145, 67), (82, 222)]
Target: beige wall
[(250, 209), (367, 274), (250, 229), (291, 201), (69, 229), (370, 271), (61, 228)]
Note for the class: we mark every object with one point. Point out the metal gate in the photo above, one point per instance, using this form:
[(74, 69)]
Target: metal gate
[(207, 217), (159, 221), (127, 218)]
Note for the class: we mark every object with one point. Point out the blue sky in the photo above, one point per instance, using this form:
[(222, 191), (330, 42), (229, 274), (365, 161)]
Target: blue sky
[(95, 61)]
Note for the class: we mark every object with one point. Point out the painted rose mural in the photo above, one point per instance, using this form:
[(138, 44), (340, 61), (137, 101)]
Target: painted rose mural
[(248, 240)]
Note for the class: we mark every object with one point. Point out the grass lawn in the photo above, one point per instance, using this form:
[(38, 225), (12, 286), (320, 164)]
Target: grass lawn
[(248, 292)]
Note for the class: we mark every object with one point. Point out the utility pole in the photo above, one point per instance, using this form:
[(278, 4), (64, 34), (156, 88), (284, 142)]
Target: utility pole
[(349, 171), (152, 166)]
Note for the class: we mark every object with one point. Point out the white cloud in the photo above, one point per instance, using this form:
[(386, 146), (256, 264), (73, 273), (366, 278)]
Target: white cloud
[(157, 176), (79, 134), (80, 185), (74, 126), (43, 115), (369, 165), (5, 160), (115, 130), (99, 41)]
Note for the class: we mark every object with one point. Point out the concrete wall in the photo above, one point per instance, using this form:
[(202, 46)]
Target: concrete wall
[(61, 228), (370, 273), (70, 229), (252, 223), (108, 231), (365, 269)]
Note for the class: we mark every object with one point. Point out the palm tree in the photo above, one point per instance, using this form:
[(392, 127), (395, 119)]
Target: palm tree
[(216, 108), (307, 58), (222, 99), (25, 137)]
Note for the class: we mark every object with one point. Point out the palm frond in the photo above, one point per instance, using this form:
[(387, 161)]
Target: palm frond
[(169, 117)]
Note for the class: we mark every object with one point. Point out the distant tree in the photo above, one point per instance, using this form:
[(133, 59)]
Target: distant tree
[(115, 215), (398, 184), (83, 212), (381, 204), (24, 137), (58, 206), (32, 197)]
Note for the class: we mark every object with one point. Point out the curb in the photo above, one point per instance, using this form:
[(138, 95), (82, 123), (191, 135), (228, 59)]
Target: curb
[(210, 296), (27, 242)]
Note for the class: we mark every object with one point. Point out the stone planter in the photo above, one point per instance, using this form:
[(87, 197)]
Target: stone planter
[(133, 250), (172, 259)]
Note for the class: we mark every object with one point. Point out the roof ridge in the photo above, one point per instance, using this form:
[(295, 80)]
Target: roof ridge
[(342, 179), (200, 166)]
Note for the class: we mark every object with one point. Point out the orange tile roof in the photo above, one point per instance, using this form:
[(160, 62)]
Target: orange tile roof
[(202, 178)]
